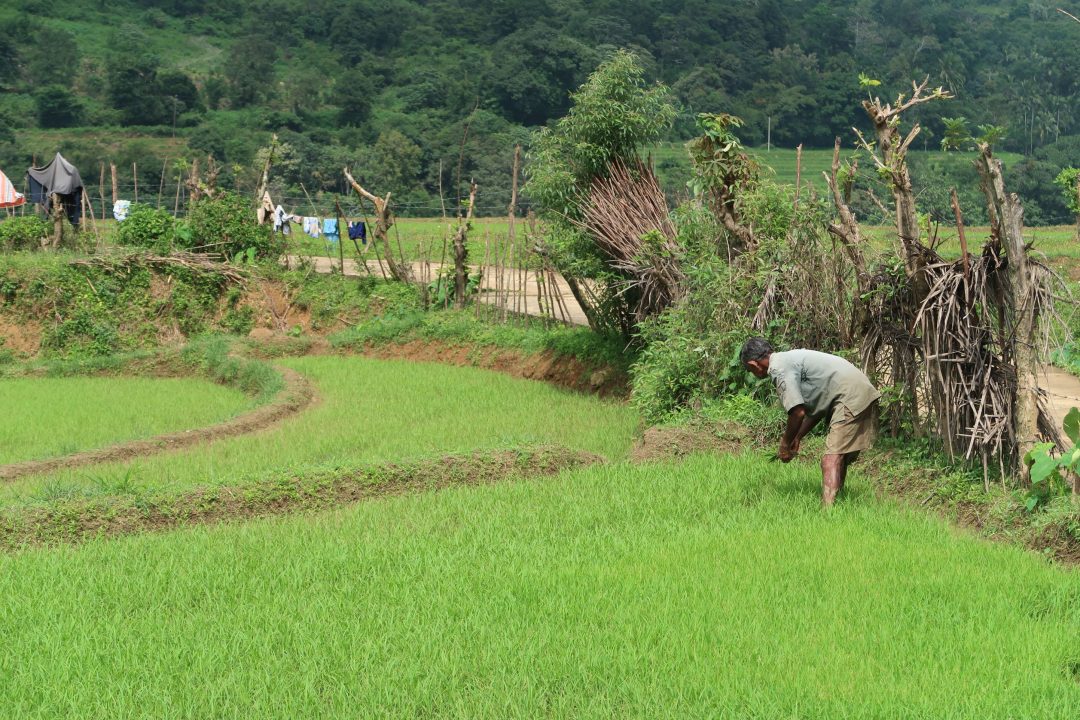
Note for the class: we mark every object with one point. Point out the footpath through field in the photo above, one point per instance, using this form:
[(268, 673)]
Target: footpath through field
[(491, 285), (1062, 388)]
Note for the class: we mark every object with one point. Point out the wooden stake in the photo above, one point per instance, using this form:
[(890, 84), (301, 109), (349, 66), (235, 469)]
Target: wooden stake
[(161, 183), (112, 170), (960, 233), (798, 174), (101, 190), (135, 174)]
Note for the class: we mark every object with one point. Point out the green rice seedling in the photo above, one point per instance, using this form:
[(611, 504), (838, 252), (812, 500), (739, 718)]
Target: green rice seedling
[(711, 587), (46, 417), (380, 411)]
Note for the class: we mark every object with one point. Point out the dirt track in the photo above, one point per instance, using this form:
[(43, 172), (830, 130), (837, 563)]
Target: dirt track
[(512, 278), (297, 394)]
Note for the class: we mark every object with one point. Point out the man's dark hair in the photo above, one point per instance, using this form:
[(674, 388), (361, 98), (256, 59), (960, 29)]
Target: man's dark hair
[(754, 349)]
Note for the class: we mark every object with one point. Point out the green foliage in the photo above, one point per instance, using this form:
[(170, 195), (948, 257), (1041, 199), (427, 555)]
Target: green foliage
[(720, 162), (1068, 181), (959, 137), (23, 232), (1048, 473), (615, 114), (226, 225), (147, 227), (94, 311), (57, 107)]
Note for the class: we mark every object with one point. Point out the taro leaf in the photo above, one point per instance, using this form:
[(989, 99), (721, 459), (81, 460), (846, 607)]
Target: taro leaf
[(1031, 503), (1043, 465), (1072, 426)]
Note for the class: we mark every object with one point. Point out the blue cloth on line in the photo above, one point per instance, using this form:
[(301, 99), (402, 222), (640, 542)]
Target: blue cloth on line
[(330, 229), (358, 231)]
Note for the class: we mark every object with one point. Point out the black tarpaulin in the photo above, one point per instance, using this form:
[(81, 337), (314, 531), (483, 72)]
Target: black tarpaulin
[(59, 178)]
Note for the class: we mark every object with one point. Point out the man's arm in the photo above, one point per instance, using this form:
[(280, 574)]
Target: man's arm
[(799, 423)]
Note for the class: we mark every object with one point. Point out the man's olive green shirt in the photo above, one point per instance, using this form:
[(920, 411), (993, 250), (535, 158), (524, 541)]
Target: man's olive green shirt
[(819, 382)]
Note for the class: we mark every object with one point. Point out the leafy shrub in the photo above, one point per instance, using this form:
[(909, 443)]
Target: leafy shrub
[(226, 225), (1050, 475), (23, 232), (147, 227)]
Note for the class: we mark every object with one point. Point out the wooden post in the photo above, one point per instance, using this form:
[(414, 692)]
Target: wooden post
[(960, 233), (58, 221), (341, 241), (1007, 224), (112, 169), (798, 174), (93, 220), (101, 191), (161, 182), (135, 174)]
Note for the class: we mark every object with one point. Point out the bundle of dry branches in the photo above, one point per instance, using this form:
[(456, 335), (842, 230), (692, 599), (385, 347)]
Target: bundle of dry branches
[(626, 214), (194, 262), (968, 341)]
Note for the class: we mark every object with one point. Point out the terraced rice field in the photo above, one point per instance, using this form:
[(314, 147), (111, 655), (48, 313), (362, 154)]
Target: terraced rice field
[(709, 586), (47, 417)]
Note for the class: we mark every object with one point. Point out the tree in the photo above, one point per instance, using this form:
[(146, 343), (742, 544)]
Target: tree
[(52, 58), (132, 78), (249, 71), (614, 114), (353, 94), (57, 107), (1068, 180), (393, 163), (532, 73)]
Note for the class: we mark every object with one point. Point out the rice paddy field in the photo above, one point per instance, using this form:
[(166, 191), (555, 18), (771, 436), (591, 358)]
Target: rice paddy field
[(46, 417), (368, 411), (708, 587), (712, 585)]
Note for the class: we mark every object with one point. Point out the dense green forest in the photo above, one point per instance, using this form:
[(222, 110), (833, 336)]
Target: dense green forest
[(401, 89)]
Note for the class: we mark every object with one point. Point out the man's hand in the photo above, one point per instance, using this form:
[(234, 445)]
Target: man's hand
[(788, 451)]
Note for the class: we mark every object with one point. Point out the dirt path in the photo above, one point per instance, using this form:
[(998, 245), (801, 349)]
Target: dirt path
[(1062, 389), (297, 394), (512, 278)]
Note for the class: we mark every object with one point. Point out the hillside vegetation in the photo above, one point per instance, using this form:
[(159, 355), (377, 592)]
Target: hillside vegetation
[(393, 86)]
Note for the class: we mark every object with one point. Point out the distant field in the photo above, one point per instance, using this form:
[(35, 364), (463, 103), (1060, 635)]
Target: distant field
[(712, 587), (370, 411), (45, 417), (780, 164)]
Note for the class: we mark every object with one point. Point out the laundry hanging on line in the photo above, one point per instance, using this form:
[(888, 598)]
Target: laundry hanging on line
[(358, 231), (120, 210), (311, 226), (330, 229)]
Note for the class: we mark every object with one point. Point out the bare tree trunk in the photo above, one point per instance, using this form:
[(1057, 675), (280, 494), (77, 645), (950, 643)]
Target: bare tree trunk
[(1007, 225), (461, 251), (384, 219)]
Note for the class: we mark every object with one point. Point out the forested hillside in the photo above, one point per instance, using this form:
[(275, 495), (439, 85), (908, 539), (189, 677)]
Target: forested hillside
[(390, 86)]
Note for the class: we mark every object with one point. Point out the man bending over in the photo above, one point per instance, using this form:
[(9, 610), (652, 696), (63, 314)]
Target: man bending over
[(812, 386)]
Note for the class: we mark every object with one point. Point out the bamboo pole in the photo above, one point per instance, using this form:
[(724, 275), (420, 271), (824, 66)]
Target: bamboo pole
[(101, 189), (161, 182)]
